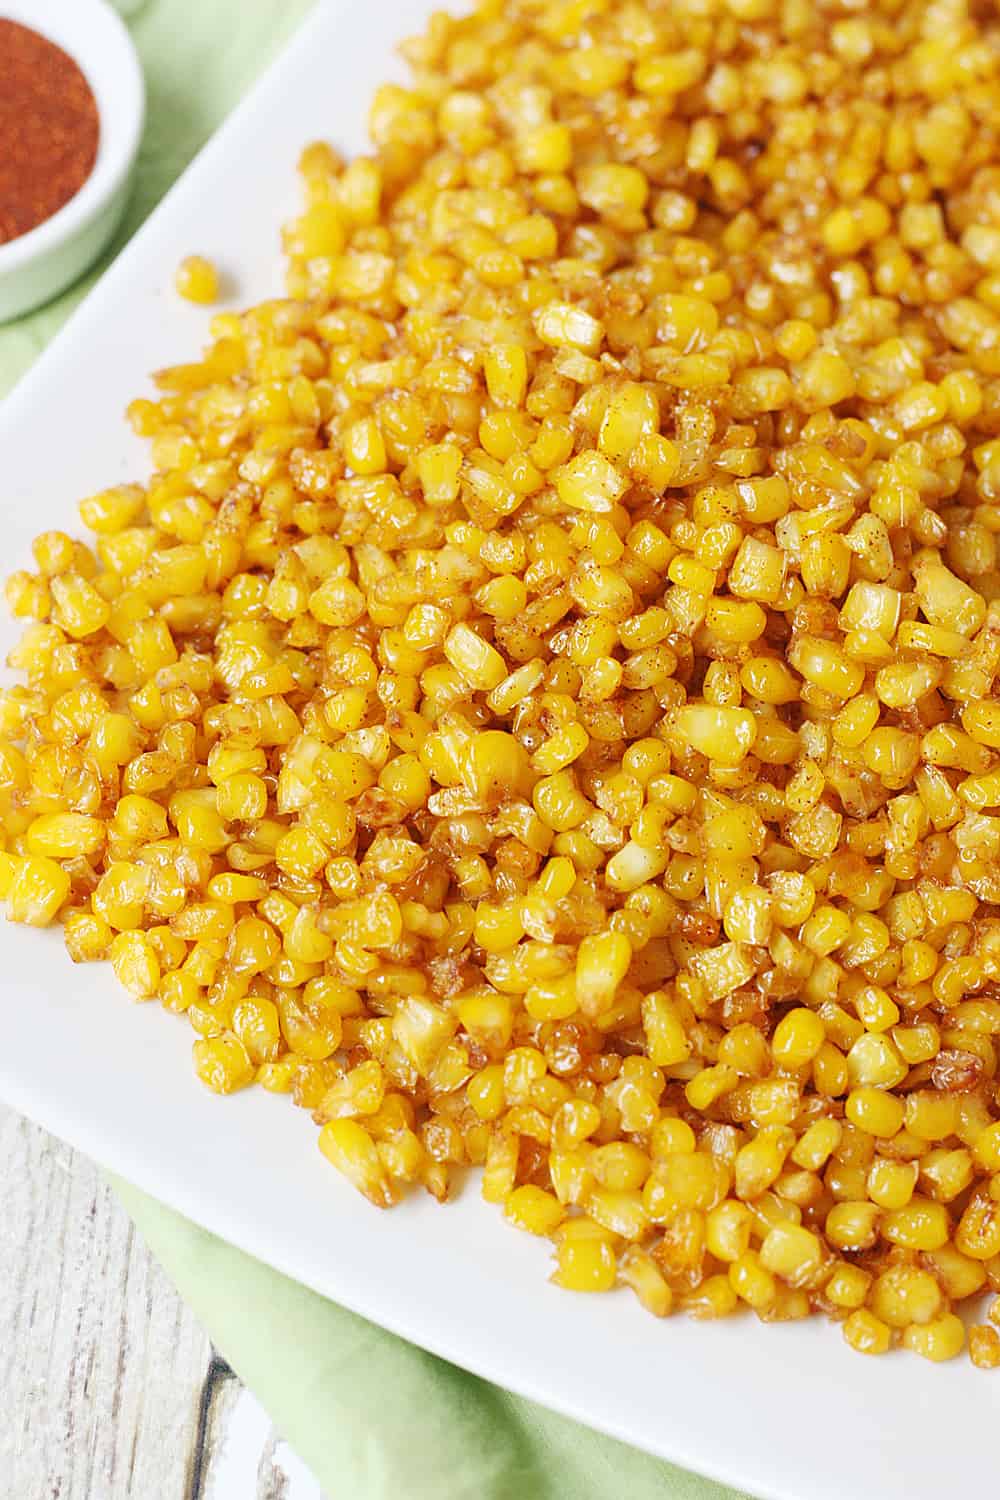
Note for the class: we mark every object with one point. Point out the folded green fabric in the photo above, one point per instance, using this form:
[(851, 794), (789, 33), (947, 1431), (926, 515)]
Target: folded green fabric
[(374, 1416), (377, 1418)]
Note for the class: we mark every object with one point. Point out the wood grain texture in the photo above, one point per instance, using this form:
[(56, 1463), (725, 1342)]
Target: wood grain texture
[(111, 1390)]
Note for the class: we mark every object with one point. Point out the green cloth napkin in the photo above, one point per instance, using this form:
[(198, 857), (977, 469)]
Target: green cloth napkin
[(375, 1417)]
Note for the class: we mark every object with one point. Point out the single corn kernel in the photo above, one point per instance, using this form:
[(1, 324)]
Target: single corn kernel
[(866, 1333), (797, 1038), (136, 965), (37, 889), (941, 1339), (533, 1209), (197, 279)]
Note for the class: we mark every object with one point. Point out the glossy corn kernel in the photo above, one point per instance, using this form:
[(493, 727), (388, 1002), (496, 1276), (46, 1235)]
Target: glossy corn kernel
[(940, 1340), (585, 1264), (903, 1295), (197, 280), (601, 965), (36, 888), (792, 1253), (638, 1270), (866, 1333), (797, 1038), (725, 735), (481, 665), (136, 965), (64, 835), (984, 1346), (534, 1210), (349, 1147), (222, 1064), (921, 1225)]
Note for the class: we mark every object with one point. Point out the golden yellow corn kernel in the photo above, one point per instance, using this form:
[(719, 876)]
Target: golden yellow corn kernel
[(589, 483), (817, 1143), (533, 1209), (874, 1110), (752, 1282), (585, 1264), (478, 662), (113, 510), (337, 601), (826, 666), (352, 1151), (920, 1225), (930, 1115), (715, 1297), (768, 679), (241, 798), (633, 413), (64, 835), (823, 379), (79, 608), (982, 722), (757, 571), (866, 1333), (891, 1184), (759, 1163), (748, 916), (941, 1339), (438, 468), (725, 735), (826, 929), (561, 749), (984, 1346), (562, 324), (602, 964), (222, 1064), (135, 964), (197, 279), (797, 1038), (978, 1232), (638, 1269), (791, 1252), (87, 936), (903, 1295), (847, 1287), (364, 447), (946, 600), (359, 1092), (728, 1228), (36, 888)]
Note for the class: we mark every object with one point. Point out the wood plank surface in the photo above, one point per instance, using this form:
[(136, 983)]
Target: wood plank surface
[(110, 1387)]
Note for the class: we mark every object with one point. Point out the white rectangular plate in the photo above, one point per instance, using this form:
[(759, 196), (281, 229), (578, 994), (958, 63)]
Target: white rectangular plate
[(787, 1412)]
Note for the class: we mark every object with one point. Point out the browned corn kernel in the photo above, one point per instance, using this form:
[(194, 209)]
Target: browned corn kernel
[(984, 1346)]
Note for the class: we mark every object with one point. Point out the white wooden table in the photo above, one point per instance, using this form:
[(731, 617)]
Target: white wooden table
[(110, 1387)]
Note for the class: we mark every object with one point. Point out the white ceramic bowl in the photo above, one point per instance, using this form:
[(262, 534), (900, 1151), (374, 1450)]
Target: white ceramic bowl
[(42, 262)]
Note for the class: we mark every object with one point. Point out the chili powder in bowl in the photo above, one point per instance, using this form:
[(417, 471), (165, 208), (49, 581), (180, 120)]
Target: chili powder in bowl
[(71, 114), (49, 129)]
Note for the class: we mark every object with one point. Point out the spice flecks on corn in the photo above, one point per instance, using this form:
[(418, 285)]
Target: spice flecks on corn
[(542, 711)]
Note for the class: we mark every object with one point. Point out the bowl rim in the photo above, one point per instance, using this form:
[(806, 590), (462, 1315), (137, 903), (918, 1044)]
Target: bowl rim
[(93, 34)]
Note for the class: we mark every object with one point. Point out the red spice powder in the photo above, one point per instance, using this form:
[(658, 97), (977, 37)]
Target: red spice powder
[(49, 129)]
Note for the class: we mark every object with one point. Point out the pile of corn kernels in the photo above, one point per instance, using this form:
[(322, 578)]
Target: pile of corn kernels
[(541, 712)]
